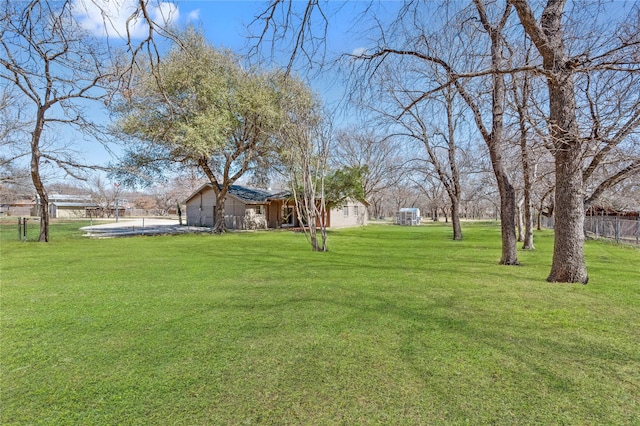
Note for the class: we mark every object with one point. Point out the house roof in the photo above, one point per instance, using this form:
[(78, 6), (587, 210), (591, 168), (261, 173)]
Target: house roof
[(248, 195), (69, 198), (73, 204), (24, 203)]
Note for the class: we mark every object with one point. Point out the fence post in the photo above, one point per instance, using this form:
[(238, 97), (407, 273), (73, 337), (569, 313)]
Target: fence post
[(638, 230), (617, 229), (19, 229)]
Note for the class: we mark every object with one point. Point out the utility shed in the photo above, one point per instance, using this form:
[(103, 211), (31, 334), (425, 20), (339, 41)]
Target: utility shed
[(70, 206), (408, 216)]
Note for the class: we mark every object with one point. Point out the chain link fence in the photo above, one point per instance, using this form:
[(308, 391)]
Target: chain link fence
[(623, 230), (620, 229)]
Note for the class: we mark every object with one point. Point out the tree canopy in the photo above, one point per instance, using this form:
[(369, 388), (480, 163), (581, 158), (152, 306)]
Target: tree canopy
[(203, 109)]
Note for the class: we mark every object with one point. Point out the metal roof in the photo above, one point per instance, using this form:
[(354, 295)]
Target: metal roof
[(248, 195), (72, 204), (256, 195)]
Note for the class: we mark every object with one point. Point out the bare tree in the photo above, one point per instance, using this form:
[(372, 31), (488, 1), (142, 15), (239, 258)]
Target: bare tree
[(438, 142), (61, 71), (378, 156), (616, 51), (610, 108), (418, 45), (104, 194), (50, 60), (305, 140), (575, 48), (14, 177), (13, 126), (300, 28)]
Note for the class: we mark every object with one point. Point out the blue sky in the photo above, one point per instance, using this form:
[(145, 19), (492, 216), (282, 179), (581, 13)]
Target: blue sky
[(224, 23)]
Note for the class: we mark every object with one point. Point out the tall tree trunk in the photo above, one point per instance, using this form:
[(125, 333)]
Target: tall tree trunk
[(44, 200), (528, 220), (519, 220), (527, 175), (453, 189), (219, 225), (568, 251), (505, 187), (494, 138), (37, 180), (455, 219), (527, 243), (507, 218)]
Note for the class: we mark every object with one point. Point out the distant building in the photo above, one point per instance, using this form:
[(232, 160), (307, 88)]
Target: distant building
[(24, 207), (69, 206), (629, 212)]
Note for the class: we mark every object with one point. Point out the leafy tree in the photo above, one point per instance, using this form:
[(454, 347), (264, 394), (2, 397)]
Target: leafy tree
[(201, 109), (344, 184)]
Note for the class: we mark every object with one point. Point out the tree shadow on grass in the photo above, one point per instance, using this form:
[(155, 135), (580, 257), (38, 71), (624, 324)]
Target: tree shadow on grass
[(516, 362)]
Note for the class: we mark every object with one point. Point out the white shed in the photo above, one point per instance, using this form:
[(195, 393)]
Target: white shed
[(408, 216)]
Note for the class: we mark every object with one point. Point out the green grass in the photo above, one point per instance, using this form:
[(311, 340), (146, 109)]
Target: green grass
[(394, 325)]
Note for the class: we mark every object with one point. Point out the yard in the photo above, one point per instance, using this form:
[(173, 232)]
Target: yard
[(394, 325)]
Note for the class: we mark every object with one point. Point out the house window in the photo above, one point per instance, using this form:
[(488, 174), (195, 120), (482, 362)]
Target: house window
[(355, 211), (260, 209), (345, 211)]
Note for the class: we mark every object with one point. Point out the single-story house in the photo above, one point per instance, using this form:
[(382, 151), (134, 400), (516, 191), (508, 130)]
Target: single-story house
[(69, 206), (252, 208), (24, 207)]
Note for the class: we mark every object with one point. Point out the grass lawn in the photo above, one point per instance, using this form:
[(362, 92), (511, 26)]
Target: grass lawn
[(395, 325)]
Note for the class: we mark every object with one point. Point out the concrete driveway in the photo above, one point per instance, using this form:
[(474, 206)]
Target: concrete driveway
[(139, 226)]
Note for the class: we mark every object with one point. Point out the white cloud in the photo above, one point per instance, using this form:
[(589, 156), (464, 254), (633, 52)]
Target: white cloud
[(194, 16), (359, 51), (111, 18)]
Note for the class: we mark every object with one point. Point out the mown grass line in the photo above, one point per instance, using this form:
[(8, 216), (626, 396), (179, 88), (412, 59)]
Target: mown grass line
[(393, 325)]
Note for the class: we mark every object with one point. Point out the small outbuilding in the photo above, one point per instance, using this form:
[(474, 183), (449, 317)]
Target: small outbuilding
[(408, 216), (24, 207), (69, 206)]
